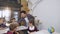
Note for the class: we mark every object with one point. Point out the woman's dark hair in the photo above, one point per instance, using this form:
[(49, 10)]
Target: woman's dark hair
[(31, 22), (23, 12)]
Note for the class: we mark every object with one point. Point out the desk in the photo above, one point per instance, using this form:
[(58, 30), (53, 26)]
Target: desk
[(18, 28), (22, 28), (43, 32), (4, 30), (56, 33)]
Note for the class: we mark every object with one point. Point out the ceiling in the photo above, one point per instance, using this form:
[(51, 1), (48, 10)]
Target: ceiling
[(10, 3)]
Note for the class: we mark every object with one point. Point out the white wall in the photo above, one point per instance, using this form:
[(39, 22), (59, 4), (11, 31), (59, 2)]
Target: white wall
[(48, 11)]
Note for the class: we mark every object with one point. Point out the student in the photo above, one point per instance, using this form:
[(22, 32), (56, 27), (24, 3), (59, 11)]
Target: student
[(13, 20), (2, 24), (12, 28), (32, 28), (26, 18)]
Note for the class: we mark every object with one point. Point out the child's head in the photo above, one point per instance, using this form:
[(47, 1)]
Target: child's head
[(1, 20), (30, 23), (13, 19), (13, 27)]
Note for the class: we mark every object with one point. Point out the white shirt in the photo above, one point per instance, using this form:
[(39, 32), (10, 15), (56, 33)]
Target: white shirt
[(27, 21), (31, 28)]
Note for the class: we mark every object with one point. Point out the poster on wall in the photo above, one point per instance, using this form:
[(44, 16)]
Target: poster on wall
[(24, 3)]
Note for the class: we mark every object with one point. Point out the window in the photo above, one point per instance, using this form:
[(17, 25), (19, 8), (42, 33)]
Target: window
[(16, 15), (0, 13), (5, 13)]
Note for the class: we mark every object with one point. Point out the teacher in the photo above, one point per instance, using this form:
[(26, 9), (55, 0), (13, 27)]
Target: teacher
[(25, 18)]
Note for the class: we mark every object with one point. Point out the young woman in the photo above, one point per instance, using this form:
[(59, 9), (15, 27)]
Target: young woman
[(32, 28), (2, 24)]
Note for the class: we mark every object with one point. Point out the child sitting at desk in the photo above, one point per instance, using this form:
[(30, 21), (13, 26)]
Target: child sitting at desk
[(12, 28), (13, 20), (2, 24), (32, 28)]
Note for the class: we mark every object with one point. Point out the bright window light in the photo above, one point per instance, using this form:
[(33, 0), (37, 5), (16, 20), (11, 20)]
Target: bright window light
[(7, 13), (0, 13)]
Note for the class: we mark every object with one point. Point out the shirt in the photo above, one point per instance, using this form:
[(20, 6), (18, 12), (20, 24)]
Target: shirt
[(2, 25), (27, 21), (32, 29)]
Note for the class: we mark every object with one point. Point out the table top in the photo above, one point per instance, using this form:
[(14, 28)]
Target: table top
[(4, 30), (43, 32), (18, 28), (22, 28), (56, 33)]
